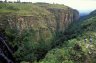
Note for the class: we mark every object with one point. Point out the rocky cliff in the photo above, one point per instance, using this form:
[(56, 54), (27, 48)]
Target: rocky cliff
[(51, 19), (45, 23), (63, 17)]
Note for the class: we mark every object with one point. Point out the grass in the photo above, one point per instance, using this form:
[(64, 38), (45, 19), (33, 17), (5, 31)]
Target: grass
[(22, 9), (56, 6), (27, 9)]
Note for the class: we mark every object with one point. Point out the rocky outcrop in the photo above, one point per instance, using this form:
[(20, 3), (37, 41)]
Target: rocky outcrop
[(57, 20), (64, 17), (44, 27), (76, 15)]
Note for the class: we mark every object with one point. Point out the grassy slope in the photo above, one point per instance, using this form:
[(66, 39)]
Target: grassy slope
[(57, 6), (76, 50), (22, 9), (28, 8)]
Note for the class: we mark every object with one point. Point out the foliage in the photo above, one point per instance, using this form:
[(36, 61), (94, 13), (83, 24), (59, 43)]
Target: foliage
[(76, 50), (29, 48), (34, 43)]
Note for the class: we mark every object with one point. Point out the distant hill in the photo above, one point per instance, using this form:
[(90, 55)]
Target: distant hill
[(86, 16)]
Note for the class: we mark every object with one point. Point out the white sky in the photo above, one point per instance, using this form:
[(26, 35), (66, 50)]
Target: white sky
[(81, 5)]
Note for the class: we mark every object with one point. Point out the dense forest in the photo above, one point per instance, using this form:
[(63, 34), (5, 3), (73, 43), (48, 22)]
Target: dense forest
[(46, 33)]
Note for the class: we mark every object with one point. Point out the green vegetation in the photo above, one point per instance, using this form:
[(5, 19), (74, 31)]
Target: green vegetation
[(76, 50), (22, 9), (47, 6), (30, 28), (38, 40), (28, 9)]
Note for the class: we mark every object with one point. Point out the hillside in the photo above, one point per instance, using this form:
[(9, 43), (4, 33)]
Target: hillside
[(76, 49), (22, 9), (32, 30)]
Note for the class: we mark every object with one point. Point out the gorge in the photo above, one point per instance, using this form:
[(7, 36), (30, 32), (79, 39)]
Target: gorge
[(32, 30)]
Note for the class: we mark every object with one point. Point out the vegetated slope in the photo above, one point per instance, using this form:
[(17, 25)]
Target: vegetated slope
[(77, 49), (32, 29), (22, 9)]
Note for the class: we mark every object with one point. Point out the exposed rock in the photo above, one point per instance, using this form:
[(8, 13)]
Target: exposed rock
[(56, 21), (64, 17), (45, 25)]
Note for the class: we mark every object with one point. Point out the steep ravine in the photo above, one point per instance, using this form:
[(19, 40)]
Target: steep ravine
[(40, 29), (80, 46)]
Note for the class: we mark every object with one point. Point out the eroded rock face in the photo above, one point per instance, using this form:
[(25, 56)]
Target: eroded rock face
[(55, 22), (44, 28), (64, 17), (76, 15)]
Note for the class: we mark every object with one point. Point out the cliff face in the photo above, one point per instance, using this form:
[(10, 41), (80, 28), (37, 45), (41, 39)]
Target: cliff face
[(63, 18), (63, 15), (56, 20), (35, 28), (76, 15), (44, 27)]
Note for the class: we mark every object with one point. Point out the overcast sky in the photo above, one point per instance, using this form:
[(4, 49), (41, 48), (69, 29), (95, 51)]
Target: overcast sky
[(81, 5)]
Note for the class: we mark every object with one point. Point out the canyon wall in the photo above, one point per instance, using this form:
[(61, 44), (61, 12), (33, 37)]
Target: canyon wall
[(45, 25)]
